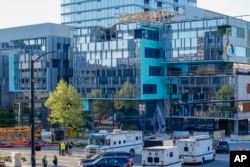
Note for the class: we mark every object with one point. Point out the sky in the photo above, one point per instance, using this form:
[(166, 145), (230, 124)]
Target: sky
[(14, 13)]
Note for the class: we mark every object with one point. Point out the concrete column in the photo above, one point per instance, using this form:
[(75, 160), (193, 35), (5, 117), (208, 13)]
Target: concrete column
[(16, 159), (236, 128)]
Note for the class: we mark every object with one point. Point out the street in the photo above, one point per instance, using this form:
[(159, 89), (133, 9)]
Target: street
[(71, 160)]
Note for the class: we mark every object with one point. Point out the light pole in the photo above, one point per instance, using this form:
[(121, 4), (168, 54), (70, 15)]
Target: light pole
[(171, 107), (113, 110), (33, 153)]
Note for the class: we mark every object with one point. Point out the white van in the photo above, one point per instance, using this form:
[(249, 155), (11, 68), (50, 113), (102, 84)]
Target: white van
[(196, 149)]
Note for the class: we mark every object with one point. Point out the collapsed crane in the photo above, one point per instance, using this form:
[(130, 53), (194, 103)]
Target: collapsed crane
[(152, 16), (158, 120)]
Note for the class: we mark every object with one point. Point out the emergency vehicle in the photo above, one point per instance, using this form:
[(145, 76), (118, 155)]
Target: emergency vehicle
[(162, 156), (196, 149), (118, 140)]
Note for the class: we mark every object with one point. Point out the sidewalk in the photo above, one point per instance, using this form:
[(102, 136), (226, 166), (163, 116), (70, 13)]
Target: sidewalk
[(24, 164)]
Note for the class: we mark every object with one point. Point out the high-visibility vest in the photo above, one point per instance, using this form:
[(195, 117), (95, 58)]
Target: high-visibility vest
[(62, 146)]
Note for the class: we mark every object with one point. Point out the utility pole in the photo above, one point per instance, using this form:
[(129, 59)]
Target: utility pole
[(170, 107), (32, 115), (113, 110)]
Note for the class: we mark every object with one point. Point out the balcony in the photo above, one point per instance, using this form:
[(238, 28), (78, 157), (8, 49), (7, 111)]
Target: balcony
[(212, 115)]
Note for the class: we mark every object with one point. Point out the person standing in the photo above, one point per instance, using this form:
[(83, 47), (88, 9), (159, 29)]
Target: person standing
[(62, 148), (45, 161), (55, 161), (70, 148), (59, 149), (67, 147)]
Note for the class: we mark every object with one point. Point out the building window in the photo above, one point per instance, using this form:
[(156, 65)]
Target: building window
[(248, 88), (58, 46), (159, 4), (149, 88), (240, 32), (156, 71), (152, 53), (156, 159)]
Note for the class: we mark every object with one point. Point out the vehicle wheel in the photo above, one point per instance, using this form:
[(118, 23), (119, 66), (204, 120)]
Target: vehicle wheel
[(213, 157), (132, 152), (38, 148), (203, 160)]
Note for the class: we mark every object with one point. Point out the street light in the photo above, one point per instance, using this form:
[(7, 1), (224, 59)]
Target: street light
[(113, 110), (171, 107), (33, 153)]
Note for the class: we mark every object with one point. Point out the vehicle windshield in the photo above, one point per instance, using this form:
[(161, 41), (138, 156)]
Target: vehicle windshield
[(96, 140), (223, 143)]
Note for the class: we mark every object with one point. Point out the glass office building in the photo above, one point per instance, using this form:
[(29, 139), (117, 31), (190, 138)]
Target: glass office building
[(188, 57), (106, 13), (202, 56), (23, 44)]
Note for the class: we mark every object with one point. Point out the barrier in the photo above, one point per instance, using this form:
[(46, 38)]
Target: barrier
[(16, 159)]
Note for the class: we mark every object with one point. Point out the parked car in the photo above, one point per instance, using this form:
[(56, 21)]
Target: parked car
[(110, 162), (105, 154), (221, 146), (39, 143), (4, 144)]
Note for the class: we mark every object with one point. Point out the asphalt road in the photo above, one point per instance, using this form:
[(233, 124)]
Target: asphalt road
[(71, 160)]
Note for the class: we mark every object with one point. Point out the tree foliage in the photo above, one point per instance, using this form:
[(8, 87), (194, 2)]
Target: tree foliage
[(66, 107), (102, 108), (7, 119), (125, 92), (224, 93)]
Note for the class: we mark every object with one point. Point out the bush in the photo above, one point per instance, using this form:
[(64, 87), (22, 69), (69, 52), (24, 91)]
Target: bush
[(7, 158)]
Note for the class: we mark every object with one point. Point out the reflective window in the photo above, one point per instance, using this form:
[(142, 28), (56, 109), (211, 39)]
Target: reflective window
[(194, 42), (152, 53), (197, 24), (187, 25), (240, 51), (149, 88), (156, 71), (175, 26), (187, 42), (211, 23), (234, 31)]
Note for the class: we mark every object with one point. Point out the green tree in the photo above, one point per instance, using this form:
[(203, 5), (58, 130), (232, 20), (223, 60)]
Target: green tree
[(225, 93), (127, 109), (7, 119), (102, 108), (66, 107), (125, 92)]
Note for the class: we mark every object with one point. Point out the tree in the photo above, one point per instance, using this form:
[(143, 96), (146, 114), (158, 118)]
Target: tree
[(66, 107), (126, 92), (102, 108), (7, 119), (128, 108), (225, 93)]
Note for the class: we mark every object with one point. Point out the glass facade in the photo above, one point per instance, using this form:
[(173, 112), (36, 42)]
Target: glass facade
[(47, 70), (106, 59), (80, 13), (202, 57), (203, 40)]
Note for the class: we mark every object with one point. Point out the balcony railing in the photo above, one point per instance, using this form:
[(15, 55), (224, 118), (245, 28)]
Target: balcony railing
[(213, 115)]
